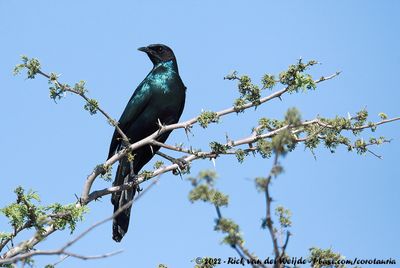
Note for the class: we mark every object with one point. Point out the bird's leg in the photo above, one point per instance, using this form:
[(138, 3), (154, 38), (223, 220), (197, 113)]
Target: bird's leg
[(181, 162), (133, 177)]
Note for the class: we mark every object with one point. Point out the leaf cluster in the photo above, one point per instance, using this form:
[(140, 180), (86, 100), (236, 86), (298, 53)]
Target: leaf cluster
[(295, 78), (284, 216), (57, 90), (219, 148), (27, 212), (32, 67), (65, 215), (331, 134), (249, 92), (207, 117), (203, 189), (91, 106), (231, 230), (320, 256), (284, 140), (206, 262)]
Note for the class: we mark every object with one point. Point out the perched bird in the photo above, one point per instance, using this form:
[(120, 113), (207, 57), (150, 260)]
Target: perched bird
[(160, 97)]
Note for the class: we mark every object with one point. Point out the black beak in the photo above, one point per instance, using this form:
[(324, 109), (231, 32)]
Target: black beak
[(144, 49), (151, 54)]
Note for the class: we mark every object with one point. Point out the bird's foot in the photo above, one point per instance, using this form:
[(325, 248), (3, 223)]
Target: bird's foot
[(137, 187), (133, 178), (183, 166)]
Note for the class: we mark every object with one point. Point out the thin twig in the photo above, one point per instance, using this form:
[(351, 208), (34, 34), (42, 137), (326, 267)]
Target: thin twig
[(27, 225), (251, 257), (319, 122), (63, 258), (288, 234), (268, 219), (69, 89), (243, 251)]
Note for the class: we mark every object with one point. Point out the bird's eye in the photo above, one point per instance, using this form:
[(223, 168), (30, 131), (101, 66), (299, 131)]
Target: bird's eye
[(160, 49)]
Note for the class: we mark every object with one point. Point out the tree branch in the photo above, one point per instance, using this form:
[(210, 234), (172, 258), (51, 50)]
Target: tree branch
[(268, 219), (185, 125), (200, 155), (239, 248), (67, 88), (63, 250), (88, 195), (288, 234)]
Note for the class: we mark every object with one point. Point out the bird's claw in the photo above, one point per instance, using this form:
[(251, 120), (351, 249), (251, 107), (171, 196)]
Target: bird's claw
[(182, 166)]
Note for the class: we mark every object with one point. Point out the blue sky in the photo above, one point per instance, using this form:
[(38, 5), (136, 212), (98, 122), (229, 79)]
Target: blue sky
[(344, 201)]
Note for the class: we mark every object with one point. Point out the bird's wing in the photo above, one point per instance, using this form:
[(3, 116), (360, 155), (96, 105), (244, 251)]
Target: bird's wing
[(183, 101), (133, 109)]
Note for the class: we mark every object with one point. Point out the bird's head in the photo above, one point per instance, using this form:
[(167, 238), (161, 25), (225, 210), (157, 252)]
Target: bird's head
[(158, 53)]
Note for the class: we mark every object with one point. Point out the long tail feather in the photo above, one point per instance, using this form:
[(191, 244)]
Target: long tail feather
[(121, 222)]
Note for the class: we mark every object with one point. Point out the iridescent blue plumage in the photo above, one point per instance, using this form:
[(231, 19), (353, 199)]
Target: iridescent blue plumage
[(158, 79), (160, 97)]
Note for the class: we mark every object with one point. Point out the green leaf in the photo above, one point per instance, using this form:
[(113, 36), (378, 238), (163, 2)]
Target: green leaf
[(31, 65), (106, 173), (80, 88), (66, 215), (231, 229), (240, 155), (158, 164), (383, 116), (284, 216), (219, 148), (238, 105), (268, 81), (91, 106), (261, 183)]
